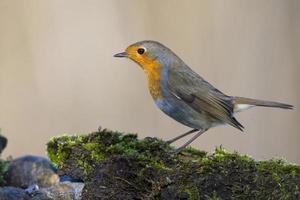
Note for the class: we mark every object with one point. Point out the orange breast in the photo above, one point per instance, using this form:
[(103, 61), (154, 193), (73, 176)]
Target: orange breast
[(152, 70)]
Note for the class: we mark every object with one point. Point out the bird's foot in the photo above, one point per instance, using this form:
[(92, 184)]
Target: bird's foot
[(178, 150)]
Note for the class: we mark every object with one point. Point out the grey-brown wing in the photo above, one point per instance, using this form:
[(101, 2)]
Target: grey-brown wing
[(187, 85)]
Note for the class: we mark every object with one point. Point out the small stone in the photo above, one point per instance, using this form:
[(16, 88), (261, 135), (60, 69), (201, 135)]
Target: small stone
[(30, 170), (12, 193), (65, 178), (169, 181), (60, 191), (32, 189)]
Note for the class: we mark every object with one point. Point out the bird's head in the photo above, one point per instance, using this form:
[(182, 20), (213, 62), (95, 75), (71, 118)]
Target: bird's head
[(148, 53)]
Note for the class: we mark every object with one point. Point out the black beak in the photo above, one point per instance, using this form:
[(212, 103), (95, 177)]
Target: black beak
[(121, 55)]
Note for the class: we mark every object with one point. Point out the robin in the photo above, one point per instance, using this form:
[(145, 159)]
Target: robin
[(184, 95)]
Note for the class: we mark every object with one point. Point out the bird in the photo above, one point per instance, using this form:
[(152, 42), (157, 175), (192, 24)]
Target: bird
[(184, 95)]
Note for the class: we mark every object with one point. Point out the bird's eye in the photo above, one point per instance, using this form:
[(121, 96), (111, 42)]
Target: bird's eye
[(141, 51)]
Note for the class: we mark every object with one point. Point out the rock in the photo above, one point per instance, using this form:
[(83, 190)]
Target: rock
[(117, 166), (30, 170), (3, 142), (59, 191), (12, 193)]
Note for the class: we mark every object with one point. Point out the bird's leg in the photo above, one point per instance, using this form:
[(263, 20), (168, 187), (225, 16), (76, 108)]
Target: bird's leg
[(181, 136), (190, 141)]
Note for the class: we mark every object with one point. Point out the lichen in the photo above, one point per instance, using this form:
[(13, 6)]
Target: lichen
[(120, 166)]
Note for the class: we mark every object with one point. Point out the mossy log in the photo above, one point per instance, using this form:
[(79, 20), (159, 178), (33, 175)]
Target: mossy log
[(120, 166)]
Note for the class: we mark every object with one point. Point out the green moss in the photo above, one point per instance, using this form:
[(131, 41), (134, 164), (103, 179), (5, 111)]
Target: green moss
[(148, 168), (88, 150), (192, 193), (96, 150), (60, 149), (3, 168), (214, 196), (194, 152)]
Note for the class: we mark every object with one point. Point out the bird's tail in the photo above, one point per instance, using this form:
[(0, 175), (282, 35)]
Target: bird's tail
[(242, 103)]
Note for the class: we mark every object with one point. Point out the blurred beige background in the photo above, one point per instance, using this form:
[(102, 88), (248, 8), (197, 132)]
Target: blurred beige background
[(57, 73)]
